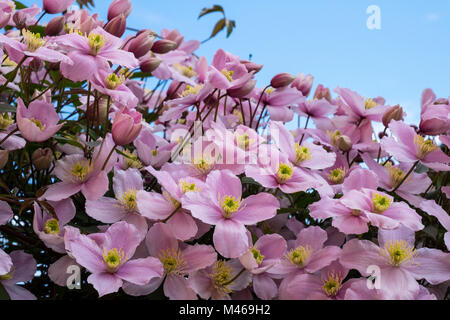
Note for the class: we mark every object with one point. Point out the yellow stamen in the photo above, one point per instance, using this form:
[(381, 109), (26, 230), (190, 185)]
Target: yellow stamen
[(221, 276), (131, 160), (334, 136), (301, 154), (257, 255), (5, 121), (424, 147), (38, 124), (332, 285), (337, 175), (96, 42), (185, 71), (51, 226), (173, 261), (33, 41), (188, 187), (228, 74), (285, 172), (397, 174), (229, 205), (369, 104), (113, 81), (300, 255), (113, 259), (398, 252), (191, 90), (380, 202), (128, 200), (243, 141), (80, 170)]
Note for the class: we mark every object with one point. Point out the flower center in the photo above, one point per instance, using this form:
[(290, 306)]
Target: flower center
[(334, 136), (169, 197), (285, 172), (369, 104), (203, 165), (300, 255), (424, 147), (5, 121), (243, 141), (332, 285), (185, 71), (337, 175), (38, 124), (301, 154), (257, 255), (228, 74), (113, 81), (128, 200), (221, 276), (380, 202), (188, 187), (51, 226), (113, 259), (229, 206), (33, 41), (398, 252), (80, 170), (131, 160), (96, 42), (173, 261), (191, 90), (396, 174), (9, 275)]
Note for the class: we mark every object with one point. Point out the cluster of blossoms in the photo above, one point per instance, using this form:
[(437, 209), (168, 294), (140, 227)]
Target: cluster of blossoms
[(198, 188)]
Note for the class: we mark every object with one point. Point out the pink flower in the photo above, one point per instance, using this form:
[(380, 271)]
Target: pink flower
[(38, 122), (126, 126), (126, 184), (91, 53), (400, 264), (434, 116), (20, 268), (152, 149), (263, 255), (410, 147), (178, 261), (221, 204), (50, 229), (316, 109), (57, 6), (108, 259)]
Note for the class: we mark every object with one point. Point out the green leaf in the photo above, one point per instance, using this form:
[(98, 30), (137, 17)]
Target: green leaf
[(218, 27), (248, 180), (93, 144), (215, 8), (19, 5), (37, 29), (6, 108), (231, 24), (3, 293), (69, 141)]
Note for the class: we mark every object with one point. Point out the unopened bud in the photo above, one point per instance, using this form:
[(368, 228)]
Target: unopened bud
[(242, 91), (344, 143), (174, 88), (251, 66), (117, 26), (36, 64), (164, 46), (150, 64), (322, 93), (118, 7), (392, 113), (42, 158), (303, 83), (142, 44), (3, 158), (282, 80), (55, 26)]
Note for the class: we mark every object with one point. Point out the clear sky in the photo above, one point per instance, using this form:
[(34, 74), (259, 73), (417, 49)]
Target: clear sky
[(327, 38)]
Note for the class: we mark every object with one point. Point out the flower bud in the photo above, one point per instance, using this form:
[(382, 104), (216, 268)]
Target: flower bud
[(322, 93), (303, 83), (97, 112), (117, 25), (119, 7), (3, 158), (150, 63), (55, 26), (242, 91), (42, 158), (173, 35), (251, 66), (282, 80), (163, 46), (36, 64), (126, 126), (344, 143), (87, 25), (142, 44), (57, 6), (392, 113)]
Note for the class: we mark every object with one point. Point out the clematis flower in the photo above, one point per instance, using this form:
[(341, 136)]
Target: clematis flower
[(152, 149), (57, 6), (178, 261), (263, 255), (19, 268), (327, 285), (80, 174), (109, 260), (410, 147), (433, 209), (306, 155), (33, 46), (434, 115), (306, 254), (221, 204), (316, 109), (50, 229), (38, 122), (401, 265), (92, 53)]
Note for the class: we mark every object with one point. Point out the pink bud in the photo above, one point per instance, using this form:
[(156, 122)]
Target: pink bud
[(57, 6), (322, 93), (142, 44), (42, 158), (282, 80), (344, 143), (119, 7), (174, 36), (242, 91), (126, 126), (117, 25), (55, 26), (163, 46), (251, 66), (150, 63), (303, 83), (392, 113)]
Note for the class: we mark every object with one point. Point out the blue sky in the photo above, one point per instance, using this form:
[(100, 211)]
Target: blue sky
[(327, 38)]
